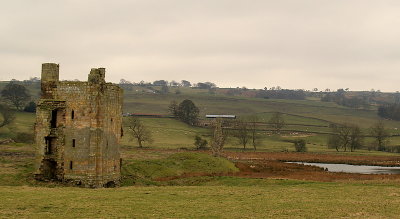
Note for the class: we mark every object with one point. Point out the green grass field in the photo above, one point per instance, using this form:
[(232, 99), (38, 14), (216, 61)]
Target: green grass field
[(224, 197), (192, 197)]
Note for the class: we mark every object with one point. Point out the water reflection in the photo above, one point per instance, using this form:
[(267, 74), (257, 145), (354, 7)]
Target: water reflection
[(347, 168)]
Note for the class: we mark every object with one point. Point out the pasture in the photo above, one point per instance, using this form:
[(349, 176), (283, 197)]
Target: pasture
[(224, 197)]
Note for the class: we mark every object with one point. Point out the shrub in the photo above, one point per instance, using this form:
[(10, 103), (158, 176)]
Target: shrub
[(188, 112), (23, 137), (200, 143), (31, 107), (300, 145)]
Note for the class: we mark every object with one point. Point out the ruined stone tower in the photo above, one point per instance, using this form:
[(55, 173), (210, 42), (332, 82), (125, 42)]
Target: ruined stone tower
[(78, 128)]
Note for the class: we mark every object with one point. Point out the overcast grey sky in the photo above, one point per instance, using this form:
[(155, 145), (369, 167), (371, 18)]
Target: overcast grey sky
[(255, 43)]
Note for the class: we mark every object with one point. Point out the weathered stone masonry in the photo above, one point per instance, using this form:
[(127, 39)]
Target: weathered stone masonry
[(78, 128)]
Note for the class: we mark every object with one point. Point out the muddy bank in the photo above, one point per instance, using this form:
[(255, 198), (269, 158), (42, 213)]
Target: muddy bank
[(315, 158), (277, 169), (281, 170)]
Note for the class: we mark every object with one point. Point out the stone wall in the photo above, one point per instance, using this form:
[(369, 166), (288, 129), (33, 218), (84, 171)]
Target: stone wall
[(87, 133)]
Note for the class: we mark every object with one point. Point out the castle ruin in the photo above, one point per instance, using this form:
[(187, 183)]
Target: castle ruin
[(78, 129)]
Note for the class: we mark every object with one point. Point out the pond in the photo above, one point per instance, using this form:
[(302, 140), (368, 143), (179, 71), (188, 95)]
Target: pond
[(347, 168)]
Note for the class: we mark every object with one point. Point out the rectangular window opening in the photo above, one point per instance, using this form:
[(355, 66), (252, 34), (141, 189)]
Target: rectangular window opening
[(70, 165), (73, 143), (72, 114), (54, 119), (50, 144)]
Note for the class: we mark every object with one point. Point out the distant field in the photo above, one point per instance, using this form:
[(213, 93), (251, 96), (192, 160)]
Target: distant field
[(300, 115), (170, 133), (311, 111), (142, 102)]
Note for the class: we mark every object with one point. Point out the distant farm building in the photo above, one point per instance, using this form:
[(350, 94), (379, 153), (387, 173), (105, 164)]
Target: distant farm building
[(210, 118), (147, 115), (221, 116)]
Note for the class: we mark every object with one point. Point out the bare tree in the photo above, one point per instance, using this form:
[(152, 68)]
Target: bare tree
[(173, 108), (357, 139), (252, 121), (345, 136), (341, 137), (380, 134), (138, 130), (218, 139), (277, 122), (242, 132)]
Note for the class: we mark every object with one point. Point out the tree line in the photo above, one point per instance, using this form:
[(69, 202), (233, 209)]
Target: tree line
[(349, 137), (282, 94), (173, 83), (390, 111), (340, 98)]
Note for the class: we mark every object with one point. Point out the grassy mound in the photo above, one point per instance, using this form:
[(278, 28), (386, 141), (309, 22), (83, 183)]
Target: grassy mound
[(144, 172)]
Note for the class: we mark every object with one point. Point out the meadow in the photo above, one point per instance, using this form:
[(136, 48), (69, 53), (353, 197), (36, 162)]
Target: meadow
[(223, 197)]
